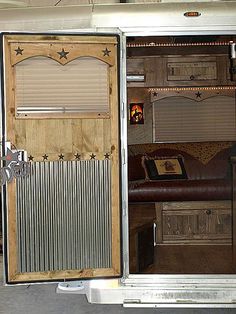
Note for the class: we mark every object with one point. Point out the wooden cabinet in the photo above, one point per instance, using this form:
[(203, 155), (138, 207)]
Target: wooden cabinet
[(207, 222), (191, 70), (174, 71)]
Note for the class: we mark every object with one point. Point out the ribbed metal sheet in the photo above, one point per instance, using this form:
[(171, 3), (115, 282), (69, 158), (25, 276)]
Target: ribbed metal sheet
[(64, 216)]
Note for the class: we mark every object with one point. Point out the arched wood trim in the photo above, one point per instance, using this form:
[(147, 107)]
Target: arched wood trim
[(23, 51)]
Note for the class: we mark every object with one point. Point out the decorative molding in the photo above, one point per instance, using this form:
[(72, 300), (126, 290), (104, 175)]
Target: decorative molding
[(63, 53), (195, 93), (106, 52), (54, 50), (63, 156), (19, 51)]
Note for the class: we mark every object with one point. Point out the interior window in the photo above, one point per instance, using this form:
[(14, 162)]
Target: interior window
[(47, 87)]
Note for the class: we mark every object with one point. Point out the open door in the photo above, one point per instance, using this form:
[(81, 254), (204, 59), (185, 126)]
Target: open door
[(62, 120)]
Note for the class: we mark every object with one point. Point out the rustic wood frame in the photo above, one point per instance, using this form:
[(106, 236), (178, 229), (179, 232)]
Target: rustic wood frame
[(77, 47), (83, 46)]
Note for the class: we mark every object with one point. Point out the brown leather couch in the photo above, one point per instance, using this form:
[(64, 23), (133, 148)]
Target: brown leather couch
[(207, 166)]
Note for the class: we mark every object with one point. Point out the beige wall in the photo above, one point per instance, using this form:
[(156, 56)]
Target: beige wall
[(140, 133)]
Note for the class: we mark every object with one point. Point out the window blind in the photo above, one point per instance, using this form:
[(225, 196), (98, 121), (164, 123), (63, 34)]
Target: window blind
[(44, 85), (179, 119)]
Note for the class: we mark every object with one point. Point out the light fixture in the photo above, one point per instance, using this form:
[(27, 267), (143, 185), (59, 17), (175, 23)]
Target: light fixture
[(158, 89), (135, 78), (153, 44)]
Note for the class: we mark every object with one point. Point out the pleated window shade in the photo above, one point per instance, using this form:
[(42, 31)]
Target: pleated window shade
[(44, 85), (179, 119)]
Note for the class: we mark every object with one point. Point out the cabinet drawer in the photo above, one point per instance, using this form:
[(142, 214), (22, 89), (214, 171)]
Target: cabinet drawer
[(193, 225)]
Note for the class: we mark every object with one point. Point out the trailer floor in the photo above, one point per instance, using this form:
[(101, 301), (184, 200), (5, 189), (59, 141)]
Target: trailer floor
[(193, 259)]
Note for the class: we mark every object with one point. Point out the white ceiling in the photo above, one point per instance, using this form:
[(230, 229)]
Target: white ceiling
[(48, 3)]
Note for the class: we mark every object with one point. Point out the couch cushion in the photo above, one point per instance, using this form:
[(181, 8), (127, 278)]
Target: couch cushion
[(164, 168), (207, 160), (182, 190)]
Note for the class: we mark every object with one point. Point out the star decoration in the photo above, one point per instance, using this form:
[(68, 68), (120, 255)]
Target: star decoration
[(106, 52), (155, 94), (92, 156), (77, 156), (31, 158), (19, 51), (45, 157), (107, 156), (63, 53), (61, 157), (198, 95), (10, 157)]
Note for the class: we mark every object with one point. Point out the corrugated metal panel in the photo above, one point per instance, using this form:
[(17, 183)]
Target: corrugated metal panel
[(64, 216), (181, 119), (82, 85)]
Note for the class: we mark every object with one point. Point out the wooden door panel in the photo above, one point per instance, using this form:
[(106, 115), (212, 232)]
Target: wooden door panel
[(66, 213)]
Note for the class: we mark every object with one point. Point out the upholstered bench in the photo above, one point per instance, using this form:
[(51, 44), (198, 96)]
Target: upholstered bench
[(186, 205)]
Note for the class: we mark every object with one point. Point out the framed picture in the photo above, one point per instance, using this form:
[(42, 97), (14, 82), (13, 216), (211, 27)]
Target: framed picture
[(136, 113)]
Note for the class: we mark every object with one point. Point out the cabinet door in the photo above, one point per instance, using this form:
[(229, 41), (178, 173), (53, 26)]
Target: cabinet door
[(186, 71), (182, 225), (219, 223)]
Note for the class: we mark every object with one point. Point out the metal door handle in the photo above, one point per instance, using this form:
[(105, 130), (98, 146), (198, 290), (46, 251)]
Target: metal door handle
[(154, 234)]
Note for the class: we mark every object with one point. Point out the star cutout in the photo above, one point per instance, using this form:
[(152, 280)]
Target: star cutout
[(106, 52), (31, 158), (198, 95), (10, 157), (107, 156), (61, 157), (19, 51), (155, 94), (63, 53), (77, 156), (92, 156), (45, 157)]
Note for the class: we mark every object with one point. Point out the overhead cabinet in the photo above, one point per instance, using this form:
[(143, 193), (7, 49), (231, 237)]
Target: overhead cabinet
[(171, 71)]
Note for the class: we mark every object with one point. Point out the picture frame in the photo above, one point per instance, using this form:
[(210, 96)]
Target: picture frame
[(136, 113)]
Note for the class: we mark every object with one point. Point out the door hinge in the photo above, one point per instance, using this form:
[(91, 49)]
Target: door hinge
[(122, 110), (122, 52), (132, 301), (123, 156), (125, 209), (125, 263)]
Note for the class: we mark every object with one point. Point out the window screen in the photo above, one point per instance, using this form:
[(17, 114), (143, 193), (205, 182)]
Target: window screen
[(180, 119), (45, 86)]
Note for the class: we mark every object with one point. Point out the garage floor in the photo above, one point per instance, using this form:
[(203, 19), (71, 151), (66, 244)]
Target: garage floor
[(42, 299)]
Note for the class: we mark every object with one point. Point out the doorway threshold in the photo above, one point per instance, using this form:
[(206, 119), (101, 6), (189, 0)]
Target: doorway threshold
[(192, 294)]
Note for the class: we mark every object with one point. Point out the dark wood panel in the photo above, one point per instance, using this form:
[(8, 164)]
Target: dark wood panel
[(193, 259), (163, 51), (141, 219), (233, 160)]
